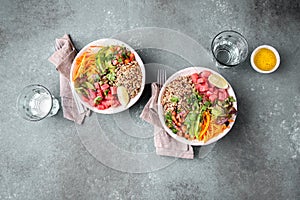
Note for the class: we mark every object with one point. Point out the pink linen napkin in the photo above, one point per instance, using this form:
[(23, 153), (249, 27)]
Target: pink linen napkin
[(165, 145), (62, 58)]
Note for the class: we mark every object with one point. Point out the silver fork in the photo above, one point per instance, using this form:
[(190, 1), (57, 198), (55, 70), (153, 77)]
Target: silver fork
[(161, 77)]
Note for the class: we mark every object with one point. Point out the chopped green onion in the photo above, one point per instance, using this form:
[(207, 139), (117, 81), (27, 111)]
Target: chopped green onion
[(231, 99), (106, 92), (174, 99), (111, 76), (97, 99)]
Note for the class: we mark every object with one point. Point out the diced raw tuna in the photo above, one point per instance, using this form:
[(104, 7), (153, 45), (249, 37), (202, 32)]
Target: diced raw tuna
[(110, 97), (202, 87), (92, 103), (97, 85), (222, 96), (212, 98), (101, 107), (222, 90), (216, 92), (201, 80), (197, 86), (205, 74), (209, 93), (100, 93), (85, 99), (92, 94), (106, 103), (194, 77), (115, 103), (211, 89), (104, 87), (113, 90)]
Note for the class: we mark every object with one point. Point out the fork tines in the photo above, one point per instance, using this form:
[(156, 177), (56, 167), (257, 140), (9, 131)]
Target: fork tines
[(161, 77)]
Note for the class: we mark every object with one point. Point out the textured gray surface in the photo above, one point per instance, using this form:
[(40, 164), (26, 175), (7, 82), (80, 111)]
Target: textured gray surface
[(258, 159)]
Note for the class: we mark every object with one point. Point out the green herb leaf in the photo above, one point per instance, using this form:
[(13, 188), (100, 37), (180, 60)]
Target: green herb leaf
[(207, 103), (106, 92), (97, 100), (111, 76), (199, 98), (124, 55), (169, 122), (231, 99), (203, 108), (174, 130), (174, 99), (168, 116)]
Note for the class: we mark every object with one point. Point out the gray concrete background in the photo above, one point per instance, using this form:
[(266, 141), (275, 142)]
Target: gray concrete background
[(258, 159)]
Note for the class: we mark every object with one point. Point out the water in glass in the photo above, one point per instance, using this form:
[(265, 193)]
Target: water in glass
[(35, 102), (229, 48)]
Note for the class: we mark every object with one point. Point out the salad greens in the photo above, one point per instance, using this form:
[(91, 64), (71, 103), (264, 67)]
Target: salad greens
[(95, 74), (207, 112)]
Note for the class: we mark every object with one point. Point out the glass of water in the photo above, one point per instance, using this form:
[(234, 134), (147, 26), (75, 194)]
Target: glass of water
[(229, 49), (35, 102)]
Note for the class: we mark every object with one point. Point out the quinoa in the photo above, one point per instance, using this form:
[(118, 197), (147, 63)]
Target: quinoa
[(181, 88), (130, 76)]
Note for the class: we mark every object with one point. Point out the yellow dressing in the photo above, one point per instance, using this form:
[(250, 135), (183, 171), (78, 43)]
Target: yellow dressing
[(265, 59)]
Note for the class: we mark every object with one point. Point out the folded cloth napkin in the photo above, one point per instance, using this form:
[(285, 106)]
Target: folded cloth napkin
[(165, 145), (62, 58)]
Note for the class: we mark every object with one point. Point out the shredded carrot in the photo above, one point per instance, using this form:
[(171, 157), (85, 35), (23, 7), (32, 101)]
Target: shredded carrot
[(205, 125), (79, 66), (95, 46), (224, 127), (85, 63), (230, 120)]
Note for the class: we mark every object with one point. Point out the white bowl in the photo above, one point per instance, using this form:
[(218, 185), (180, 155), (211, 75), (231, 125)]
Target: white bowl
[(107, 42), (186, 72), (276, 55)]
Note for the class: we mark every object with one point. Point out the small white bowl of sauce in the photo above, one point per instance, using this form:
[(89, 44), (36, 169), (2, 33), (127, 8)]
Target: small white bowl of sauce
[(265, 59)]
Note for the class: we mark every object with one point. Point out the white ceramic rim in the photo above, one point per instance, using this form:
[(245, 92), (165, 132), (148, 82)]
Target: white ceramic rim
[(276, 55), (185, 72), (107, 42)]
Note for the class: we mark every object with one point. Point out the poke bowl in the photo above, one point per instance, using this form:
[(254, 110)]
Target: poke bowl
[(197, 106), (108, 76)]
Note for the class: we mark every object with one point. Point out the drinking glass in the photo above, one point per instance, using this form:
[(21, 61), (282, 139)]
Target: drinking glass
[(35, 102), (229, 49)]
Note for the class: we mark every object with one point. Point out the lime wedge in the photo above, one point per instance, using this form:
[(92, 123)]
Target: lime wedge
[(218, 81), (123, 95)]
